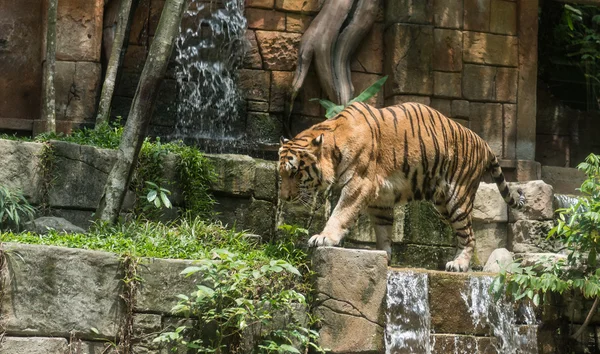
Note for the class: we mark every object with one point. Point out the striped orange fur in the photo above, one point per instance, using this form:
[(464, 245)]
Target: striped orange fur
[(384, 157)]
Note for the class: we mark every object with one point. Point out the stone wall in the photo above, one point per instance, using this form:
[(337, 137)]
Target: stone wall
[(246, 194)]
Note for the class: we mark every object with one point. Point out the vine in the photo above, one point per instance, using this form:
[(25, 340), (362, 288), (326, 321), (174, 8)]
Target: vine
[(130, 283), (47, 162)]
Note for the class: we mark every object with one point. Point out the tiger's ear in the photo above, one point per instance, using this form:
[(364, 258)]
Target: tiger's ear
[(318, 141), (283, 140)]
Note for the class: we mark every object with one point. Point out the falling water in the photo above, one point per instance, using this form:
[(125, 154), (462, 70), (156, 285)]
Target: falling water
[(408, 322), (500, 316), (210, 49)]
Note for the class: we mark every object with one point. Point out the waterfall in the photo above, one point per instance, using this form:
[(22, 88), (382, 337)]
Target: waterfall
[(209, 50), (408, 323)]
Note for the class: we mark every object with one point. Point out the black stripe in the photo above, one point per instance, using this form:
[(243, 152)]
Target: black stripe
[(405, 166), (395, 119), (384, 218)]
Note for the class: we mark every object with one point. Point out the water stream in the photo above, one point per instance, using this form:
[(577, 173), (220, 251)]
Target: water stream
[(209, 51)]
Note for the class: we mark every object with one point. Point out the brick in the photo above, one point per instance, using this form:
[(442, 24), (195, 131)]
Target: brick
[(409, 11), (408, 65), (477, 15), (252, 60), (281, 82), (77, 86), (361, 81), (442, 105), (280, 85), (399, 99), (510, 131), (298, 6), (489, 83), (506, 84), (79, 30), (258, 106), (491, 49), (255, 84), (486, 121), (279, 49), (297, 22), (447, 51), (262, 127), (265, 19), (448, 14), (460, 109), (465, 123), (447, 84), (503, 17), (489, 237), (369, 55), (265, 4)]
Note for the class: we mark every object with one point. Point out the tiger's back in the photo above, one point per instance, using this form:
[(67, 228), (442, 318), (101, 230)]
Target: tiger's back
[(384, 157)]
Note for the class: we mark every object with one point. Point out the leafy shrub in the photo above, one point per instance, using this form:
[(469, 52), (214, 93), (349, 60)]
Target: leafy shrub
[(332, 109), (14, 208)]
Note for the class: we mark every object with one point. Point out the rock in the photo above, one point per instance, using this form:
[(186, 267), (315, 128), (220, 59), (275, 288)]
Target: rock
[(42, 299), (252, 60), (259, 218), (161, 284), (44, 224), (298, 6), (451, 343), (530, 236), (547, 259), (409, 11), (257, 106), (85, 347), (255, 84), (297, 22), (539, 197), (510, 134), (491, 49), (280, 85), (448, 14), (351, 290), (499, 259), (489, 205), (447, 55), (265, 19), (563, 180), (485, 119), (146, 327), (267, 4), (369, 55), (422, 256), (263, 127), (265, 181), (490, 83), (447, 84), (20, 164), (488, 237), (279, 49), (79, 30), (33, 345), (425, 226), (236, 174), (460, 109), (409, 68), (442, 105)]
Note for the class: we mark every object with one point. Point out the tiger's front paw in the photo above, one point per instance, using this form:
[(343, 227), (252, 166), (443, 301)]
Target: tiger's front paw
[(458, 265), (321, 240)]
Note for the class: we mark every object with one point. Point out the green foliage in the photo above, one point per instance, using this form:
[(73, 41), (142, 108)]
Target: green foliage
[(332, 109), (14, 208), (106, 136), (158, 196), (578, 228)]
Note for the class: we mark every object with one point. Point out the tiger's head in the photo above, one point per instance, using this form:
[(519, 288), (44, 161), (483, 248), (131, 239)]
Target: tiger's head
[(300, 167)]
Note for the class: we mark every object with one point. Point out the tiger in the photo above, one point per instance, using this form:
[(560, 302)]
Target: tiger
[(380, 158)]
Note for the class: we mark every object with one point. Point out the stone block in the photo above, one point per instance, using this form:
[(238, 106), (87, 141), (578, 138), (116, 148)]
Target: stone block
[(463, 122), (486, 121), (447, 84), (236, 174), (279, 49), (265, 180), (81, 218), (363, 231), (488, 237), (564, 180), (311, 89), (79, 30), (422, 256), (455, 343), (81, 173), (408, 57), (86, 347), (281, 82), (531, 236), (146, 327), (450, 313), (33, 345), (259, 218), (255, 84), (42, 299), (510, 131), (351, 291), (299, 6), (424, 225), (297, 214), (442, 105), (490, 49), (362, 81), (488, 83), (44, 224), (506, 84), (138, 33), (369, 55), (252, 60), (539, 198), (460, 109), (20, 168), (400, 99), (528, 170), (161, 284), (265, 19), (503, 17), (257, 106), (265, 4), (447, 51), (448, 14), (297, 22), (477, 15), (498, 260), (135, 57), (409, 11), (262, 127), (77, 87), (489, 205)]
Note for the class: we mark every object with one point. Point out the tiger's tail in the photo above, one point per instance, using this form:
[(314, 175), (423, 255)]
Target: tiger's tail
[(498, 177)]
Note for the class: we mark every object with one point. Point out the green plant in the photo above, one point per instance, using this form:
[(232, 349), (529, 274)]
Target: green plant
[(106, 136), (332, 109), (14, 208), (578, 228), (234, 295), (157, 196)]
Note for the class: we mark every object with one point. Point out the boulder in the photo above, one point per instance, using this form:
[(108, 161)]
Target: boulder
[(20, 164), (527, 236), (39, 345), (499, 259), (46, 223), (539, 197), (489, 205)]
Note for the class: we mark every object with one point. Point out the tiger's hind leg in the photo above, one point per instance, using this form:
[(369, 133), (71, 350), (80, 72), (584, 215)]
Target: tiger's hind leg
[(459, 216), (382, 220)]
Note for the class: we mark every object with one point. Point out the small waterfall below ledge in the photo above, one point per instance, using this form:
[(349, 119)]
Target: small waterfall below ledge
[(409, 327), (209, 51)]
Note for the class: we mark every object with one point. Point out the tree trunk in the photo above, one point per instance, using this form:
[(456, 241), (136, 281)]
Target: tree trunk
[(49, 99), (140, 112), (114, 62)]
